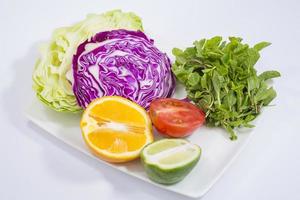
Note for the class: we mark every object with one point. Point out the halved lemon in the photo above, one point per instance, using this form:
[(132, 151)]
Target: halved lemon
[(115, 128)]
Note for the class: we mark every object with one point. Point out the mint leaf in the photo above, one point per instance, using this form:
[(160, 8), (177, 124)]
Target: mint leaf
[(261, 45), (193, 79), (269, 75)]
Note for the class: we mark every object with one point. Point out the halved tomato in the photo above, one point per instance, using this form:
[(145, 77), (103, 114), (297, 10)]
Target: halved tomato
[(174, 117)]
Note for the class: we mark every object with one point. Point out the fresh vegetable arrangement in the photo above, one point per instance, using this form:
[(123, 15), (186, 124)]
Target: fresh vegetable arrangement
[(220, 78), (106, 66)]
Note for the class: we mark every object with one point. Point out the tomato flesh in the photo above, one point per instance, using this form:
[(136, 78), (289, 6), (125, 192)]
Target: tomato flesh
[(175, 118)]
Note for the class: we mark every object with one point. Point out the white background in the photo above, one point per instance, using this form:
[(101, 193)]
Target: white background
[(34, 165)]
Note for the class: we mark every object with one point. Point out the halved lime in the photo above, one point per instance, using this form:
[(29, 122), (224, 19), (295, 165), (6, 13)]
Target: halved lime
[(168, 161)]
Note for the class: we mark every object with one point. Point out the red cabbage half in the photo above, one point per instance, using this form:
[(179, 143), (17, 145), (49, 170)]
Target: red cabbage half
[(123, 63)]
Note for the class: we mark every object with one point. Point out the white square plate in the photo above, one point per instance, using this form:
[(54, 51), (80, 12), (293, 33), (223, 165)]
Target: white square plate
[(217, 149)]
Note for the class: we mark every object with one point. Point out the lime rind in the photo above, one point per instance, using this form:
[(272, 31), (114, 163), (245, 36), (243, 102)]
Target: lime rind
[(170, 176)]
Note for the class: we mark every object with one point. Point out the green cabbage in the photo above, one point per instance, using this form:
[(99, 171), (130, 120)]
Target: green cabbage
[(52, 76)]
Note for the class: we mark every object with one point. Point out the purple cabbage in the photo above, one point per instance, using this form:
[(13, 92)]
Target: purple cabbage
[(123, 63)]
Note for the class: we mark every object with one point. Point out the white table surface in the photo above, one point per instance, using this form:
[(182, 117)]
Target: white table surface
[(35, 165)]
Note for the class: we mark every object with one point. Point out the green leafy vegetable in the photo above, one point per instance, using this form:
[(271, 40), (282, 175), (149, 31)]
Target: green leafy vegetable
[(220, 78)]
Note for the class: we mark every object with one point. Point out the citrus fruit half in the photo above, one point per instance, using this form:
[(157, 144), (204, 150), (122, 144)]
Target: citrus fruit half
[(115, 128), (168, 161)]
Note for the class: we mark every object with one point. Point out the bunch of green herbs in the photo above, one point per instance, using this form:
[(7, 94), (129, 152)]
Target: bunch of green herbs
[(220, 78)]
